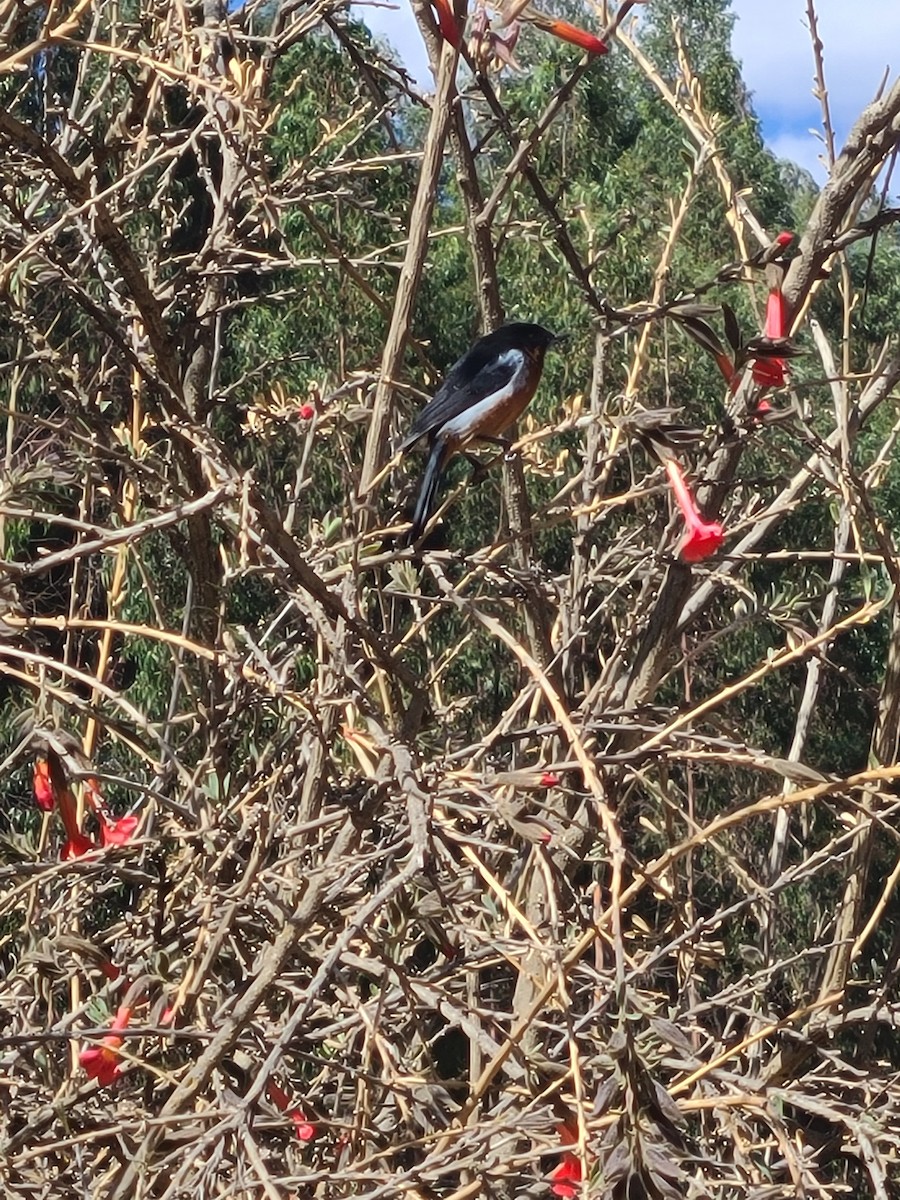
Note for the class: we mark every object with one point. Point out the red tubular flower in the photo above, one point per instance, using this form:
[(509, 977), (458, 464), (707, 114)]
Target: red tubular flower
[(769, 371), (75, 846), (117, 831), (103, 1062), (43, 787), (549, 779), (702, 538), (566, 1177), (76, 843), (566, 32), (776, 314), (304, 1130), (114, 831), (447, 22)]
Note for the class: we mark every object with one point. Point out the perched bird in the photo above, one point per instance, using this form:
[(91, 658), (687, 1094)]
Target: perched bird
[(484, 393)]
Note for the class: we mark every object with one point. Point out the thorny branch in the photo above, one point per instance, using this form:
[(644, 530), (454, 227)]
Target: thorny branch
[(366, 941)]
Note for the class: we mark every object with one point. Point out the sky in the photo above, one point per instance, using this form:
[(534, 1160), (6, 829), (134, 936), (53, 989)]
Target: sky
[(771, 38), (861, 41)]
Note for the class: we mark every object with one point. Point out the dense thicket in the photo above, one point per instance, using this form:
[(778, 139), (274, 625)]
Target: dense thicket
[(541, 852)]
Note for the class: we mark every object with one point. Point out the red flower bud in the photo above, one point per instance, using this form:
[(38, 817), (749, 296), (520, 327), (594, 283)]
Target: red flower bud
[(567, 32), (304, 1129), (43, 788), (306, 412), (549, 779)]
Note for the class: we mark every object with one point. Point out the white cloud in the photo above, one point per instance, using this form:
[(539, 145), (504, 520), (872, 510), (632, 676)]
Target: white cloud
[(861, 40), (772, 40)]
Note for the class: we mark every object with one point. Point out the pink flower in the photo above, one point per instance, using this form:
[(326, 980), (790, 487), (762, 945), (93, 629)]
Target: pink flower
[(103, 1062), (702, 538), (43, 787)]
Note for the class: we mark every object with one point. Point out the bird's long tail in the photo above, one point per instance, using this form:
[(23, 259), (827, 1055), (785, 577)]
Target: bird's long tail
[(428, 488)]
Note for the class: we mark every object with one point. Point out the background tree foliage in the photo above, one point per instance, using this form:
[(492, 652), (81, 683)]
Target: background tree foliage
[(533, 859)]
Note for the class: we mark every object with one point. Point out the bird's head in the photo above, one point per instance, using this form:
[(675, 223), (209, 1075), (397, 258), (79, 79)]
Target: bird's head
[(533, 339)]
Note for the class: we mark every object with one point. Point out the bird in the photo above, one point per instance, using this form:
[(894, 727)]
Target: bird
[(484, 392)]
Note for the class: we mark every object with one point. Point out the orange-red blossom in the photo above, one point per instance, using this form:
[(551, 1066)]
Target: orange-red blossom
[(305, 1130), (702, 538), (103, 1062), (566, 1176)]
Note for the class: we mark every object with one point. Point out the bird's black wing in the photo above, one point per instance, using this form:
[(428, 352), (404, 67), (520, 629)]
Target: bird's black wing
[(467, 384)]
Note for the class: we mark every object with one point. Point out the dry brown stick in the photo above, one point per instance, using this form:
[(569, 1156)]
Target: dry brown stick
[(659, 866), (871, 140), (519, 164), (118, 537), (78, 191), (291, 555), (842, 533), (198, 1075), (886, 378), (411, 273)]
